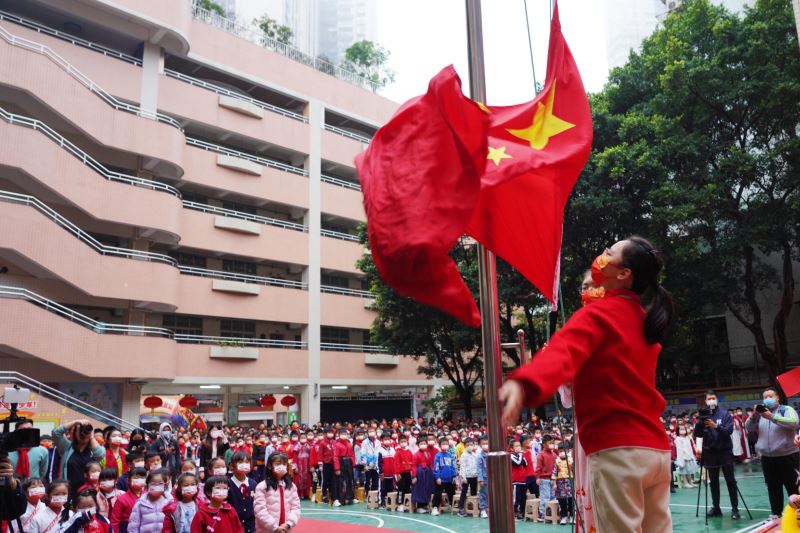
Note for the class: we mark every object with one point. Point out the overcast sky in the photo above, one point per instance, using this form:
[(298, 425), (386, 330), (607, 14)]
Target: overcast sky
[(425, 35)]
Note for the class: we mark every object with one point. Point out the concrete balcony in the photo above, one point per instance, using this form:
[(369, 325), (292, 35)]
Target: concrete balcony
[(341, 255)]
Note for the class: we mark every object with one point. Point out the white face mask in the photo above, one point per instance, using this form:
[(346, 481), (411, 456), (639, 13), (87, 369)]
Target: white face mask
[(711, 403), (485, 447), (138, 482), (94, 476), (216, 434), (36, 491), (243, 467), (220, 493), (156, 488), (220, 471), (138, 464), (189, 490), (107, 484), (116, 440), (59, 499), (280, 469)]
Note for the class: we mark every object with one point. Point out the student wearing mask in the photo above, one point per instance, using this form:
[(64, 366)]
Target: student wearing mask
[(386, 467), (545, 462), (216, 515), (241, 490), (369, 459), (147, 515), (467, 473), (215, 445), (121, 513), (179, 513), (277, 505), (444, 474), (343, 463), (55, 500), (84, 518)]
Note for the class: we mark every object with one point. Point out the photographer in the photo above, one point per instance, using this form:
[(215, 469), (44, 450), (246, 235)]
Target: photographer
[(776, 426), (12, 497), (77, 446), (715, 428), (29, 462)]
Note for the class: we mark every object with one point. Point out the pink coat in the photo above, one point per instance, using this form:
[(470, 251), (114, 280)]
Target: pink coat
[(267, 507)]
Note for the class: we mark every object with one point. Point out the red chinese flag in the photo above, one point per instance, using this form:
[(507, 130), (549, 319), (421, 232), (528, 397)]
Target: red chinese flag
[(420, 178), (790, 381), (536, 151)]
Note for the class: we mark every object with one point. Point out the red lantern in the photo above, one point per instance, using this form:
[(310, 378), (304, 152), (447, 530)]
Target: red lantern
[(267, 400), (288, 401), (188, 401), (153, 402)]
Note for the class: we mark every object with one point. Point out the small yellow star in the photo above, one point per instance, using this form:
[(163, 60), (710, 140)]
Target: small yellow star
[(483, 107), (497, 155), (544, 125)]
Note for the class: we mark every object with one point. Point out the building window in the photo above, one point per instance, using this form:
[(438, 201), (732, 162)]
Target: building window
[(240, 267), (192, 260), (242, 208), (335, 281), (237, 328), (183, 325), (330, 335), (275, 337), (194, 197)]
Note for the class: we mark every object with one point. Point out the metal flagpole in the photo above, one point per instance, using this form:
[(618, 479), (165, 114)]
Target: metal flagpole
[(501, 510)]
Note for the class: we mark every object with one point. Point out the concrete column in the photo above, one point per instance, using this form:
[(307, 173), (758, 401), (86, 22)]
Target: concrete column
[(796, 5), (152, 67), (230, 406), (130, 397), (310, 410)]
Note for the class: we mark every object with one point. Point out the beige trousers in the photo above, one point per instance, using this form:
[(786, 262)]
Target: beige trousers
[(630, 490)]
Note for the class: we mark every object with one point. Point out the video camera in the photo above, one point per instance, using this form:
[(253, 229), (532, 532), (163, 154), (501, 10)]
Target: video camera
[(705, 413), (11, 441)]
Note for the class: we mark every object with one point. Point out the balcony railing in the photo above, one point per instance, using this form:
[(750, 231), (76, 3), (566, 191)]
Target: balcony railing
[(139, 331), (362, 348), (340, 182), (84, 80), (331, 289), (247, 278), (345, 133), (85, 158), (258, 37), (205, 145), (84, 237), (338, 235), (245, 216)]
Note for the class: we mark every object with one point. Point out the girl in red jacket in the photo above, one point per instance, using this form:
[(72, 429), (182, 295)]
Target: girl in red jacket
[(216, 516), (616, 342), (179, 513)]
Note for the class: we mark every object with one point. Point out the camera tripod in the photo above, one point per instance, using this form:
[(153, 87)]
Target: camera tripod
[(708, 480)]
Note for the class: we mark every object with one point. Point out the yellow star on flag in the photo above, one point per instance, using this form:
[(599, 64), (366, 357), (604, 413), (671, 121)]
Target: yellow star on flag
[(483, 107), (545, 124), (497, 155)]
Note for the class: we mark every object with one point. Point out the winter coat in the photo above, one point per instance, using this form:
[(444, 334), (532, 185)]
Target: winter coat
[(468, 465), (121, 512), (444, 467), (386, 466), (222, 520), (172, 518), (267, 507), (78, 523), (775, 435), (147, 516)]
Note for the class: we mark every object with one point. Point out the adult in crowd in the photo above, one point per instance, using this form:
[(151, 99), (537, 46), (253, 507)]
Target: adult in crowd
[(29, 463), (716, 453), (76, 446), (215, 445), (616, 342), (776, 425), (166, 446), (12, 497)]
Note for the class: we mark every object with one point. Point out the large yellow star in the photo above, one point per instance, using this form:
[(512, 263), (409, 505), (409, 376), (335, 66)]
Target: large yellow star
[(497, 155), (545, 124)]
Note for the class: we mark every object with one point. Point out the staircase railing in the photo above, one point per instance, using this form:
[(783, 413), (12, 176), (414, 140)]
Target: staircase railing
[(11, 377)]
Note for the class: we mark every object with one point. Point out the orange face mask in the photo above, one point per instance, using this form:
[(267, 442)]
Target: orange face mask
[(598, 265)]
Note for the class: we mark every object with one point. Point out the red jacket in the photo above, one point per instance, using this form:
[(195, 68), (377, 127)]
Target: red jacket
[(312, 456), (545, 462), (518, 468), (342, 448), (420, 460), (403, 461), (386, 463), (223, 520), (325, 451), (121, 512), (530, 468), (602, 350)]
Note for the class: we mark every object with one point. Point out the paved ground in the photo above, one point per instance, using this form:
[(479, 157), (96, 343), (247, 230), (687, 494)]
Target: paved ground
[(751, 484)]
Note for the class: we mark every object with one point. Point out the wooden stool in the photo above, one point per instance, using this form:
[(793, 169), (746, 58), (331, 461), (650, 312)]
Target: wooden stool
[(444, 503), (531, 509), (318, 496), (408, 504), (551, 512), (472, 507), (373, 499), (391, 501), (531, 497), (360, 494)]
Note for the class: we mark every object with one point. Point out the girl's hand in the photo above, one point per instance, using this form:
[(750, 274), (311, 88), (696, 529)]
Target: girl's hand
[(414, 481), (512, 396)]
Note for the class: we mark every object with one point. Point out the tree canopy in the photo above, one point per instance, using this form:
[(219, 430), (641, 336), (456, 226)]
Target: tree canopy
[(368, 59), (273, 30)]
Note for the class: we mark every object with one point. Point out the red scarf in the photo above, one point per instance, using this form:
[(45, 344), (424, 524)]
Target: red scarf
[(282, 519), (23, 463), (111, 461)]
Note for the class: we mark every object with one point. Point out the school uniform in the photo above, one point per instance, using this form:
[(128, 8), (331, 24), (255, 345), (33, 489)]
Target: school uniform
[(240, 496)]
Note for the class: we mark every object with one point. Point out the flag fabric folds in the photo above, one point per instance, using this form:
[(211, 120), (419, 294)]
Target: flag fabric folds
[(420, 178), (445, 165), (790, 382)]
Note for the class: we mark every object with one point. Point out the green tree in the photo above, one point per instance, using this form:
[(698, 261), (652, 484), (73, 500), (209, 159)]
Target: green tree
[(273, 30), (368, 60), (210, 5), (696, 145)]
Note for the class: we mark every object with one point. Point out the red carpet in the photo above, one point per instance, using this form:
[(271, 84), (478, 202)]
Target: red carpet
[(310, 525)]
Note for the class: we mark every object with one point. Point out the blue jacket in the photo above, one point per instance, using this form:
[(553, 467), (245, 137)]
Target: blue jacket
[(718, 439), (444, 467), (483, 473)]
